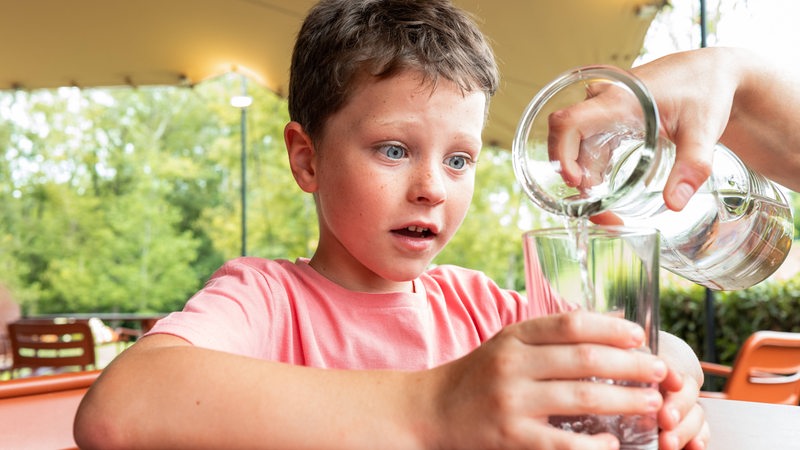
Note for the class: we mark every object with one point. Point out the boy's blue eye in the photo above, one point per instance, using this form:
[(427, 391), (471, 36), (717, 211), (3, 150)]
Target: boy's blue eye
[(393, 151), (458, 162)]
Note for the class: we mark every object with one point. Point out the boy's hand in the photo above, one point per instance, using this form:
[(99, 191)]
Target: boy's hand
[(682, 419), (501, 394)]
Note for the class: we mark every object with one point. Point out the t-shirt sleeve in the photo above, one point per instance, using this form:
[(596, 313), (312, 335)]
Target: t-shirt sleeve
[(228, 314)]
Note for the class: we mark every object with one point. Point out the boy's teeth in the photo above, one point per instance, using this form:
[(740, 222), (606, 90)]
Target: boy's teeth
[(416, 229)]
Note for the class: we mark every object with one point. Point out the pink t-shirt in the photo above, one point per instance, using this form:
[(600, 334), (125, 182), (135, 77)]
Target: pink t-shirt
[(284, 311)]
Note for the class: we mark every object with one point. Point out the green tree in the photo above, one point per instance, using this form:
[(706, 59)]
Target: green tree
[(87, 227)]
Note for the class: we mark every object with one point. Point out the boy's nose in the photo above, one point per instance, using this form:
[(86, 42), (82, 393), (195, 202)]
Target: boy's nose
[(428, 185)]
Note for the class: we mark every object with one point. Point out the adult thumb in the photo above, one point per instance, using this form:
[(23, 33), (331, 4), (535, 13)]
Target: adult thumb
[(693, 163)]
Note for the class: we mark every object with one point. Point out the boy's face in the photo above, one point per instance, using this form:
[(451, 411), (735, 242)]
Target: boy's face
[(394, 175)]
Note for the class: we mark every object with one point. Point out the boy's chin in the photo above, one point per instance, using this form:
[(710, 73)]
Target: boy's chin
[(409, 271)]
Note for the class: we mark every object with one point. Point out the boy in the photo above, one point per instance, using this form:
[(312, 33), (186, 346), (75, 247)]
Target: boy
[(363, 346)]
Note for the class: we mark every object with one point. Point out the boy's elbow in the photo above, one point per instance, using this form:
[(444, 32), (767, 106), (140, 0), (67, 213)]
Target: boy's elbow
[(95, 428)]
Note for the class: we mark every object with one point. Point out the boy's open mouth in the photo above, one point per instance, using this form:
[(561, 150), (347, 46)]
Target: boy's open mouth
[(415, 232)]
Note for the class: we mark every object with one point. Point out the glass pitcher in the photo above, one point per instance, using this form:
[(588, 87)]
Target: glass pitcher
[(734, 232)]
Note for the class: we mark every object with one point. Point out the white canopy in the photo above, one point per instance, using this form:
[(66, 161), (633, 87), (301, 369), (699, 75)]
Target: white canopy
[(90, 43)]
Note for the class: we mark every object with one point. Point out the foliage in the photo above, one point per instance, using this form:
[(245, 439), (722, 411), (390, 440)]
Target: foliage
[(769, 305), (127, 199), (794, 201)]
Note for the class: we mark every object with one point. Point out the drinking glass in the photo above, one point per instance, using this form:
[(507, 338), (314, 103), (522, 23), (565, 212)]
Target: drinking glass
[(606, 269)]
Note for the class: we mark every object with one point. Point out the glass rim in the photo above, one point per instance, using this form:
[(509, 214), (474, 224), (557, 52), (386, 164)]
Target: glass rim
[(583, 74), (593, 231)]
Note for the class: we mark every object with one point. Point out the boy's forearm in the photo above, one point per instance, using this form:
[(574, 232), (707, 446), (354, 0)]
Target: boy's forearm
[(182, 396)]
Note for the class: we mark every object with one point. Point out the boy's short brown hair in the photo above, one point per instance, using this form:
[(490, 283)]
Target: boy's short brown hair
[(343, 40)]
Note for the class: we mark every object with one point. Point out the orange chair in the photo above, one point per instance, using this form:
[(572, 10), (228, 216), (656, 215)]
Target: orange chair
[(55, 345), (766, 369)]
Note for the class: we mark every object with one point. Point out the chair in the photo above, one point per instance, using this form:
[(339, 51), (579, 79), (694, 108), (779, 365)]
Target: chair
[(766, 369), (53, 345)]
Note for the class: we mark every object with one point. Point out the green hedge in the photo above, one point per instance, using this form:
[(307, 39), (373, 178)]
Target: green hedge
[(770, 305)]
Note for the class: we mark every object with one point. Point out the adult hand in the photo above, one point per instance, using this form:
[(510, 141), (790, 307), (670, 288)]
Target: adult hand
[(501, 394), (694, 95), (694, 92)]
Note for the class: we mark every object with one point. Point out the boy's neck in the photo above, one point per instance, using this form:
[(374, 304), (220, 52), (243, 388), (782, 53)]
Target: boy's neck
[(356, 286)]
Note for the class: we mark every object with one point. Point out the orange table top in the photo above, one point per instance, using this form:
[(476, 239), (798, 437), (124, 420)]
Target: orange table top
[(38, 412), (39, 421)]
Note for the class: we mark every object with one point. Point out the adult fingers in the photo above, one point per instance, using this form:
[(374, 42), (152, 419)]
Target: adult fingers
[(578, 135), (606, 218), (693, 162)]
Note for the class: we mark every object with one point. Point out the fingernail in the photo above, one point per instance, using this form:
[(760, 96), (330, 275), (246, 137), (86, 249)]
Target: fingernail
[(659, 369), (654, 400), (675, 415), (681, 194), (637, 336)]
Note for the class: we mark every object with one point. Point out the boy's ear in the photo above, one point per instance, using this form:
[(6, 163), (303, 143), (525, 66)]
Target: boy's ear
[(302, 156)]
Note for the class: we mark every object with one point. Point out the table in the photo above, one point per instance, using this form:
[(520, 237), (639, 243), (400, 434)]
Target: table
[(737, 425), (37, 412), (145, 320)]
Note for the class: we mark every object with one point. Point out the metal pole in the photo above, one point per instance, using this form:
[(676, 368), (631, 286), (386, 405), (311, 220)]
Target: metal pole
[(711, 328), (703, 29), (243, 134)]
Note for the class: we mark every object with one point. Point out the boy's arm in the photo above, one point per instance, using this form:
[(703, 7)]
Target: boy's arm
[(165, 393)]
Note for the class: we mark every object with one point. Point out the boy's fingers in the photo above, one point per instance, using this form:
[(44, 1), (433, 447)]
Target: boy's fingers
[(692, 433), (580, 327), (597, 397), (581, 361), (678, 404)]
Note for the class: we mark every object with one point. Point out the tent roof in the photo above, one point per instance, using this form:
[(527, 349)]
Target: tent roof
[(91, 43)]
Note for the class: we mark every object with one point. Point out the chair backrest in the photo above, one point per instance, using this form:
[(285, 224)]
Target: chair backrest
[(767, 369), (53, 344)]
